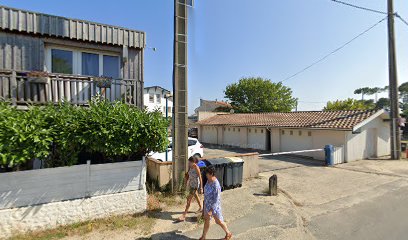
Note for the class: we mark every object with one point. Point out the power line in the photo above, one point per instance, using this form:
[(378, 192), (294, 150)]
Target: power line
[(359, 7), (401, 18), (335, 50)]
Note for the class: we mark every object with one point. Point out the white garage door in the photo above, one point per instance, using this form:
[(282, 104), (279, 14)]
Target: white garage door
[(257, 138), (232, 136), (294, 140), (209, 135)]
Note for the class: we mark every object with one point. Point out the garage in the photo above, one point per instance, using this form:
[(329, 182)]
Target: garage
[(357, 134)]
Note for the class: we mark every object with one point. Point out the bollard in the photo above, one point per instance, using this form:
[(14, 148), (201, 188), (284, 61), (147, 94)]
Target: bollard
[(273, 185), (329, 155)]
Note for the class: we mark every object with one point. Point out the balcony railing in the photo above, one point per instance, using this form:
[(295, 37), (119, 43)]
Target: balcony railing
[(21, 89)]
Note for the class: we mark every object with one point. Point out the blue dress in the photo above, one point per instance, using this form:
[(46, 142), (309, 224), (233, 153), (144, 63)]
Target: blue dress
[(212, 199)]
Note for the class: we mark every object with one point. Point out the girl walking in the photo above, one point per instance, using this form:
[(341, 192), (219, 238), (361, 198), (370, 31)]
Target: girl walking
[(212, 204), (195, 183)]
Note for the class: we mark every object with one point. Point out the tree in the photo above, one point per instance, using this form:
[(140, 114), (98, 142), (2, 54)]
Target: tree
[(382, 103), (349, 104), (254, 95), (368, 91)]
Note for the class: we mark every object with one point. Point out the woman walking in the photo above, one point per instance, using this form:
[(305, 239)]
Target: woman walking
[(195, 183), (212, 204)]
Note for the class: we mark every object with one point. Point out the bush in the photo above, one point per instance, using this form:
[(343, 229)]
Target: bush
[(23, 136), (58, 134)]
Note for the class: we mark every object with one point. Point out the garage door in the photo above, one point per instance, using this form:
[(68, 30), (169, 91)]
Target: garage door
[(209, 135), (293, 140), (232, 136), (257, 138)]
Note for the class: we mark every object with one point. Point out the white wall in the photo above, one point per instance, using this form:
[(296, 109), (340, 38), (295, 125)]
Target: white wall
[(372, 141), (51, 215), (210, 135), (156, 105), (46, 198), (292, 140)]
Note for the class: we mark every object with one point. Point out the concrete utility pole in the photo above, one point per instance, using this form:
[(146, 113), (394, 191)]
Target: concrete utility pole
[(393, 90), (180, 118)]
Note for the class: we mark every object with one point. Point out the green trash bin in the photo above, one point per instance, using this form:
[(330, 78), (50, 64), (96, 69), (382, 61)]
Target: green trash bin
[(223, 171), (237, 165)]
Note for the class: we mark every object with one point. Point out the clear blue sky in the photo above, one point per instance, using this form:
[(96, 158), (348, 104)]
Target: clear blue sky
[(230, 39)]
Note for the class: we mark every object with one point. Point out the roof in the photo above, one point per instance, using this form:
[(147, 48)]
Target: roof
[(19, 20), (157, 87), (341, 120)]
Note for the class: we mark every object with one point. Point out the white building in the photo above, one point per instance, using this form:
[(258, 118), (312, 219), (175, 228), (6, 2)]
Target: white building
[(155, 99), (360, 134)]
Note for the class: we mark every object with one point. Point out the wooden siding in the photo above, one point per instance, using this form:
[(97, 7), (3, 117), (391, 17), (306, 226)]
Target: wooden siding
[(34, 187), (12, 19), (21, 52)]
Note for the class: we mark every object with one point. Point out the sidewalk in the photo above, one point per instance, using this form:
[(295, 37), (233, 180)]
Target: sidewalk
[(364, 199)]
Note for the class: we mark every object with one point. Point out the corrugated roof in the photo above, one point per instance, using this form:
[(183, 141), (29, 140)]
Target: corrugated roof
[(55, 26), (342, 120)]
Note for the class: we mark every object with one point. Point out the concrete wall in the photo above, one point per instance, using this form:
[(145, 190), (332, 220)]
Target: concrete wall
[(45, 198), (161, 172), (51, 215)]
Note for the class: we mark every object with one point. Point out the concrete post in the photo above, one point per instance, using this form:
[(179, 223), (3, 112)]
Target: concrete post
[(273, 185)]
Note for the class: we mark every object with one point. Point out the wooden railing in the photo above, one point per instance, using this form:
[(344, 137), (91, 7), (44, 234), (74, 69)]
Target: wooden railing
[(20, 89)]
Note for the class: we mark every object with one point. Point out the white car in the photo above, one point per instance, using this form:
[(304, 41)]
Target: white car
[(195, 148)]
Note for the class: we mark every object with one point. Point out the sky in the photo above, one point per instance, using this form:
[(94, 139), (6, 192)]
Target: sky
[(231, 39)]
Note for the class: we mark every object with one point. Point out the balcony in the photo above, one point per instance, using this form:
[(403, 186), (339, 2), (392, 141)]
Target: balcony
[(21, 89)]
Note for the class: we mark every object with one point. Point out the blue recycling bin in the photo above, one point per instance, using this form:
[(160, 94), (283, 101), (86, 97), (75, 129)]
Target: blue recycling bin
[(329, 155)]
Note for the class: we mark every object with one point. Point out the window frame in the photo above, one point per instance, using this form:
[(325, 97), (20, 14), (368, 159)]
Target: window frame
[(77, 58)]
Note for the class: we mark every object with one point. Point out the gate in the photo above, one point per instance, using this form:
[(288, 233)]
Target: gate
[(338, 155)]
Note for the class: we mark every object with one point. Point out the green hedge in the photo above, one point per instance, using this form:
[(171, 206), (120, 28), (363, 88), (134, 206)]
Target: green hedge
[(57, 134)]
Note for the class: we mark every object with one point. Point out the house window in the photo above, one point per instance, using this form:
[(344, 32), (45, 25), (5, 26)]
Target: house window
[(256, 130), (83, 62), (158, 98), (291, 132), (309, 133), (90, 64), (111, 66), (239, 129), (249, 130), (261, 130), (300, 133), (151, 98), (283, 132), (62, 61)]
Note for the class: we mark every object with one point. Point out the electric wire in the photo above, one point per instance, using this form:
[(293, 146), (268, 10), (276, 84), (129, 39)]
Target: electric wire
[(335, 50)]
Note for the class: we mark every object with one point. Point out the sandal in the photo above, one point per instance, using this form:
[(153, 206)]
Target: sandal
[(228, 236)]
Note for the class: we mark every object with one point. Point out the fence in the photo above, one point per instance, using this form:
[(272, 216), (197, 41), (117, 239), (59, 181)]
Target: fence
[(27, 188), (76, 89), (338, 155)]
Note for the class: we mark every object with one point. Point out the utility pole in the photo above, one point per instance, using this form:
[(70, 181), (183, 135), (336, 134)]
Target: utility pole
[(180, 123), (393, 90)]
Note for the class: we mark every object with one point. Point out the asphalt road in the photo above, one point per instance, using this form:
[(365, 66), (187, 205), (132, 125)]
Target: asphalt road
[(384, 217)]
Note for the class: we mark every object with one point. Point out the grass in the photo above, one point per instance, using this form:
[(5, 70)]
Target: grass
[(138, 222)]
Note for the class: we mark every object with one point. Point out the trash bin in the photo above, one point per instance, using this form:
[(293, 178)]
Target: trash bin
[(237, 165), (223, 171)]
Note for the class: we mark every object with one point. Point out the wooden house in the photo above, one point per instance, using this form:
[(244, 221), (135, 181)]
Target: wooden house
[(46, 58)]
